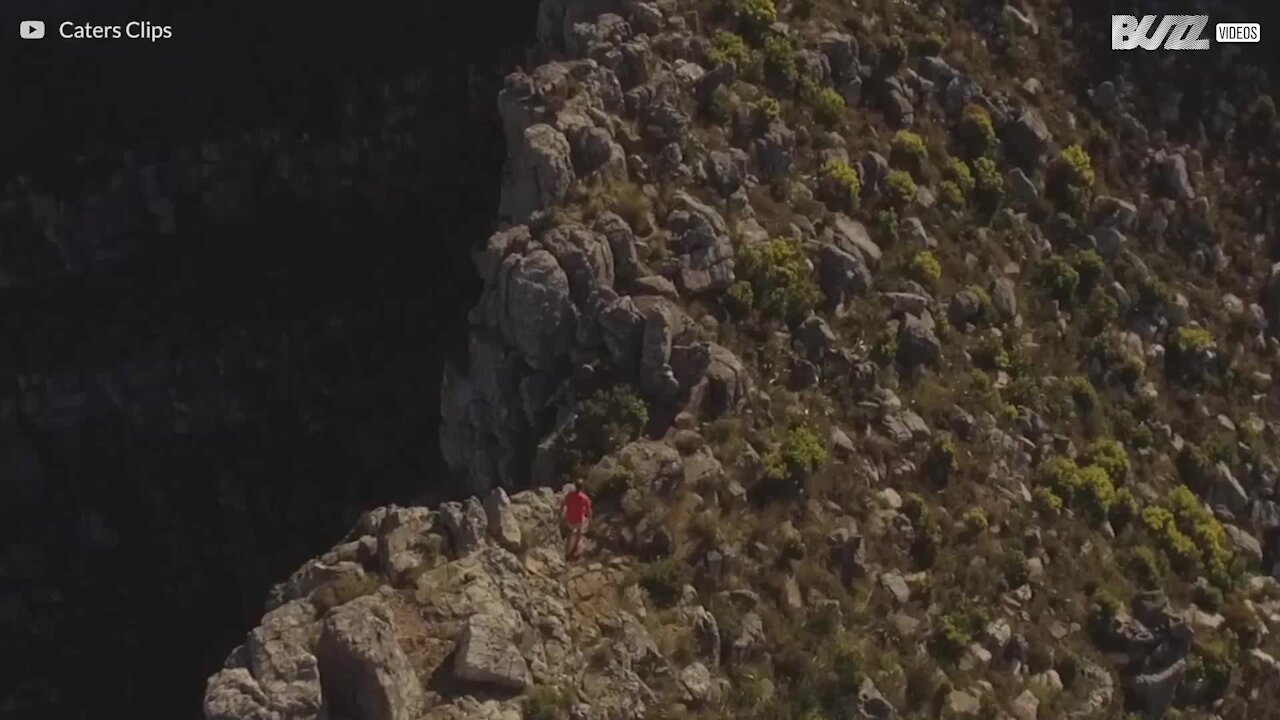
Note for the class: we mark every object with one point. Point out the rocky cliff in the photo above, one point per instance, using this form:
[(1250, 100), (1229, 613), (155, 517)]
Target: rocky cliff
[(920, 361)]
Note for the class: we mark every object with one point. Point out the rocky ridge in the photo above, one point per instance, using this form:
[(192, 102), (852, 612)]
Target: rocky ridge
[(877, 427)]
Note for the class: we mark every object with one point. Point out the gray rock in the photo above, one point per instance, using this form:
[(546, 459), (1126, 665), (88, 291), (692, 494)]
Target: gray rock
[(966, 307), (538, 175), (536, 312), (698, 684), (1004, 298), (816, 336), (1154, 691), (1174, 179), (852, 237), (1108, 241), (917, 343), (1117, 212), (1246, 544), (1227, 491), (487, 654), (233, 694), (914, 234), (622, 244), (774, 151), (897, 586), (1028, 137), (872, 171), (841, 274), (701, 241), (1104, 96), (726, 171), (1022, 190), (504, 527), (366, 674)]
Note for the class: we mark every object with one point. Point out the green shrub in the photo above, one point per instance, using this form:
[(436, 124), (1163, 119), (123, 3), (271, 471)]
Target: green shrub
[(1088, 489), (908, 151), (757, 15), (1061, 279), (828, 105), (1090, 266), (900, 188), (887, 225), (663, 580), (950, 195), (1109, 455), (731, 47), (951, 637), (958, 172), (1145, 566), (780, 59), (1017, 572), (1070, 179), (1193, 466), (766, 111), (1082, 393), (779, 278), (990, 352), (988, 182), (1124, 509), (924, 268), (840, 185), (1188, 340), (975, 521), (976, 130), (1046, 501), (613, 417), (799, 455)]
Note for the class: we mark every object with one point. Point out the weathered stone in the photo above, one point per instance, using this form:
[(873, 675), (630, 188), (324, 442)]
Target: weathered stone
[(539, 173), (917, 343), (1028, 136), (487, 654), (365, 672)]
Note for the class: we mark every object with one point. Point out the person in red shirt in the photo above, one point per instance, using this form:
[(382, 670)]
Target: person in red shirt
[(577, 512)]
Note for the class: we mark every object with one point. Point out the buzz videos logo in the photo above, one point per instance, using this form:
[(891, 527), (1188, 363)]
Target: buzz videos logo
[(1176, 32)]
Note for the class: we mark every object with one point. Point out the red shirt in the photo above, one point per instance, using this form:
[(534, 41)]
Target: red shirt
[(577, 507)]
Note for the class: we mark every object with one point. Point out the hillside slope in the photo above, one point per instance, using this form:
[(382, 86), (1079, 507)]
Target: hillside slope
[(920, 362)]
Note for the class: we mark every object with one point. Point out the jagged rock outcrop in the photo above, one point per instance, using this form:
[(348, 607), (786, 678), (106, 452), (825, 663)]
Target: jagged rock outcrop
[(471, 610)]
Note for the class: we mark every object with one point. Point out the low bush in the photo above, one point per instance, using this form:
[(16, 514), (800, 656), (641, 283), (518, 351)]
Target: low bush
[(777, 273), (663, 580), (840, 185), (546, 703), (798, 456), (1061, 279), (1109, 455), (924, 268), (1070, 180), (731, 47), (988, 182), (899, 188), (780, 60), (756, 16), (908, 151), (828, 105), (976, 131)]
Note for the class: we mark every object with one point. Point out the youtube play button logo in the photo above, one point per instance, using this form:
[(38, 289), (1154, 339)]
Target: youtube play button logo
[(31, 29)]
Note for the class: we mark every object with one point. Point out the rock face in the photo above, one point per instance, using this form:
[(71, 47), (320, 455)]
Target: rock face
[(486, 654), (471, 610), (365, 673)]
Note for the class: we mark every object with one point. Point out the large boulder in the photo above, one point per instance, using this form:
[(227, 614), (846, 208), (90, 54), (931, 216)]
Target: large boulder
[(1028, 137), (487, 654), (536, 311), (233, 694), (366, 673), (917, 343), (538, 175)]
